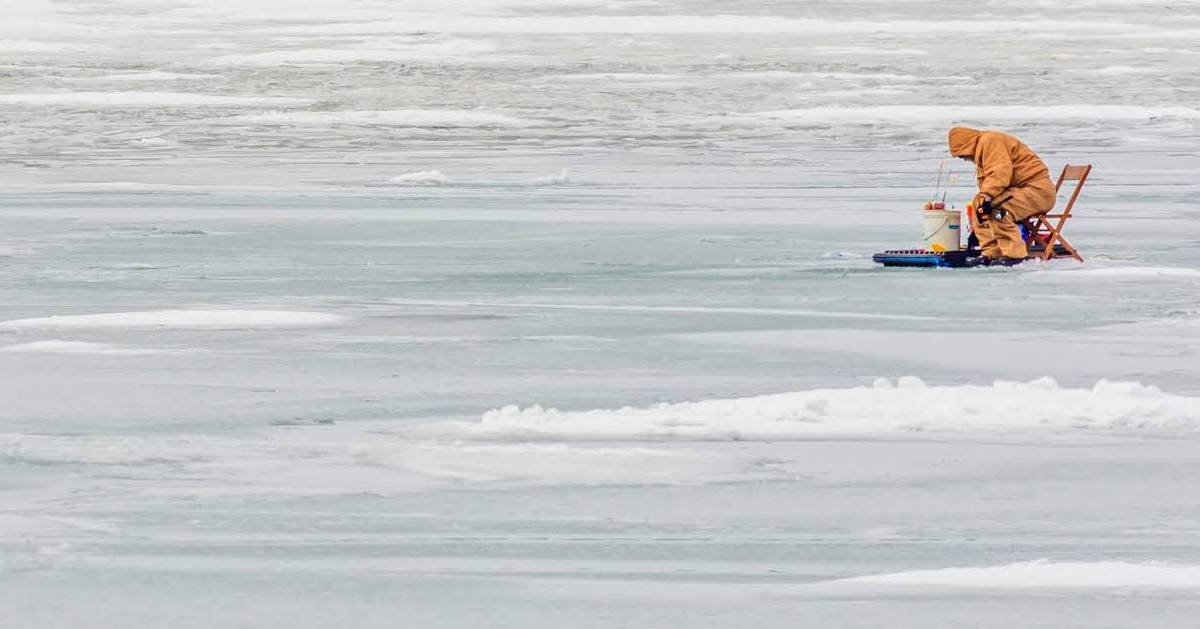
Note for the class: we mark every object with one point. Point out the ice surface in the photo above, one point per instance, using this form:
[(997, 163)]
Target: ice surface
[(1133, 273), (344, 461), (123, 100), (427, 52), (194, 319), (434, 118), (20, 45), (590, 24), (944, 115), (146, 77), (242, 371), (80, 347)]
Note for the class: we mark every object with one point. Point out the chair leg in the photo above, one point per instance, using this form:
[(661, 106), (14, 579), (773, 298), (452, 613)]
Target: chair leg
[(1071, 249), (1067, 245), (1035, 225), (1055, 239)]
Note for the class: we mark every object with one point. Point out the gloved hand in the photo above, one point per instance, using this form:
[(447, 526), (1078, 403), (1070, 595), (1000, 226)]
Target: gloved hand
[(983, 208)]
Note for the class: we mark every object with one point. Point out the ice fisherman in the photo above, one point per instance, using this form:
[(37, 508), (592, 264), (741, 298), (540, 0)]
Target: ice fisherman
[(1014, 184)]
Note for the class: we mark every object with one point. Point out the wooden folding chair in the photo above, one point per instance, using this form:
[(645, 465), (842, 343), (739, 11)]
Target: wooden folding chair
[(1045, 238)]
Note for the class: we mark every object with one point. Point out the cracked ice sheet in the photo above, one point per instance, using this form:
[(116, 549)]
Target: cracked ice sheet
[(240, 157)]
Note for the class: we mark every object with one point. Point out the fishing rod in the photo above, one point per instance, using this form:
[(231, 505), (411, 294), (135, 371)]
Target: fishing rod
[(949, 178), (938, 186)]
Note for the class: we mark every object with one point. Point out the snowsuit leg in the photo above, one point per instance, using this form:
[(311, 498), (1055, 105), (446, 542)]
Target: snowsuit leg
[(987, 239), (1003, 237)]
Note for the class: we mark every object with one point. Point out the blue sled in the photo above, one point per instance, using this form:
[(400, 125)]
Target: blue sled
[(920, 258)]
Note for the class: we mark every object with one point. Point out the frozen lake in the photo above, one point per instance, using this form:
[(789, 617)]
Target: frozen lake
[(532, 313)]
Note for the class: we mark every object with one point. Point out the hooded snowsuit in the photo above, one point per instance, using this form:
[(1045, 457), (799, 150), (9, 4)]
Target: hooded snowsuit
[(1014, 177)]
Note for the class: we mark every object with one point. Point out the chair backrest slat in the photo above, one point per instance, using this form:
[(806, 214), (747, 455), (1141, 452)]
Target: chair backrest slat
[(1049, 235), (1072, 173)]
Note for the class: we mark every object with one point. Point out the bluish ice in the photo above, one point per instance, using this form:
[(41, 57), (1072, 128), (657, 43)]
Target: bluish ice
[(462, 314)]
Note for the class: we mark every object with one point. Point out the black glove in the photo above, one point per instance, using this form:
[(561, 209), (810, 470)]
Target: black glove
[(988, 210), (984, 211)]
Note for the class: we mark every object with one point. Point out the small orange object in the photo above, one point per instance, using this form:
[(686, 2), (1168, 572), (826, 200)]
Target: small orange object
[(929, 205)]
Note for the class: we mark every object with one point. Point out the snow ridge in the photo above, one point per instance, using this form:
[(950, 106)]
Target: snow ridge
[(183, 319), (909, 405), (1044, 574)]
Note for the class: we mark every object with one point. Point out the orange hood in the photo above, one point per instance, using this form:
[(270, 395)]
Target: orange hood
[(1002, 162), (963, 141)]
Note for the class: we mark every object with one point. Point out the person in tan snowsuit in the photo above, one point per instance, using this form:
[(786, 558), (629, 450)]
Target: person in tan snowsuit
[(1014, 184)]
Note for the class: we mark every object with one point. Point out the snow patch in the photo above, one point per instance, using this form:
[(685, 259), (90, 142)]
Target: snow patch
[(865, 51), (421, 178), (123, 186), (283, 460), (1123, 70), (945, 114), (1043, 574), (1120, 272), (105, 450), (787, 75), (29, 46), (557, 463), (142, 77), (633, 77), (420, 52), (428, 118), (562, 177), (183, 319), (145, 99), (152, 142), (80, 347), (907, 406), (771, 312), (702, 25)]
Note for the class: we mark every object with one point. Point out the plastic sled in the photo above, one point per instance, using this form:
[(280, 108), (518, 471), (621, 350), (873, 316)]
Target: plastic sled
[(920, 258)]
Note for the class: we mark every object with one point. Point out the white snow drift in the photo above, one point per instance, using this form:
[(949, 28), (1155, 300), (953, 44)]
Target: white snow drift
[(84, 348), (460, 49), (140, 77), (699, 25), (421, 178), (1043, 574), (943, 114), (1041, 405), (422, 118), (125, 100), (184, 319), (563, 176)]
